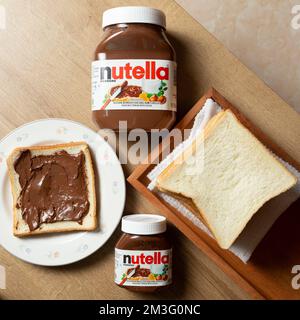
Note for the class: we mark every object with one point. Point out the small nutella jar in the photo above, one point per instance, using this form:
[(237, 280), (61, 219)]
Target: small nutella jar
[(134, 71), (143, 255)]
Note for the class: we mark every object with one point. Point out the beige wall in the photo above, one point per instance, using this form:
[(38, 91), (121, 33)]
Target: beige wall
[(260, 34)]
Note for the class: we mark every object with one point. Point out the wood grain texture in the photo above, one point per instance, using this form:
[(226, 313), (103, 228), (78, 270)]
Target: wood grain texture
[(45, 57)]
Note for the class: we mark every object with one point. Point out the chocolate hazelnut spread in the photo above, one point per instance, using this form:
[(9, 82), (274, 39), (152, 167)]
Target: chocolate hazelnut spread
[(135, 49), (143, 255), (53, 188)]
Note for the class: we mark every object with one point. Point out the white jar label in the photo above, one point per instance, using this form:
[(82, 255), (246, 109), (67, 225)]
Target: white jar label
[(134, 85), (143, 268)]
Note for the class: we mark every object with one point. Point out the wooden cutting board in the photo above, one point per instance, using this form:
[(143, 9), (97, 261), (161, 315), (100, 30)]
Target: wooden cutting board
[(45, 57)]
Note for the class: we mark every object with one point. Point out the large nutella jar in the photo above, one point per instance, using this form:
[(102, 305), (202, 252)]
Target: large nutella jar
[(134, 72), (143, 255)]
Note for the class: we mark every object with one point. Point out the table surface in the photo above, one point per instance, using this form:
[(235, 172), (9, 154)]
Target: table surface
[(45, 55), (275, 47)]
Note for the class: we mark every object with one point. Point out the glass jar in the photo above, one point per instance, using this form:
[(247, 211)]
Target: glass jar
[(134, 72), (143, 254)]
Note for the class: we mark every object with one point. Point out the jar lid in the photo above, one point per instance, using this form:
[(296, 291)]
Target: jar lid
[(144, 224), (133, 15)]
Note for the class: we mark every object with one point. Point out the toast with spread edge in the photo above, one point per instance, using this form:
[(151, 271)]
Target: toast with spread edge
[(89, 221)]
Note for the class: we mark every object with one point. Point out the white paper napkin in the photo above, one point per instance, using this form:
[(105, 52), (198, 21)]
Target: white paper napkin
[(262, 221)]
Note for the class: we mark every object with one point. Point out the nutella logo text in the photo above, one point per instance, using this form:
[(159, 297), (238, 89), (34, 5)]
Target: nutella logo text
[(156, 258), (149, 72)]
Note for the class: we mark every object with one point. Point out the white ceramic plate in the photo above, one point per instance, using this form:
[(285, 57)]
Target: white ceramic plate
[(59, 249)]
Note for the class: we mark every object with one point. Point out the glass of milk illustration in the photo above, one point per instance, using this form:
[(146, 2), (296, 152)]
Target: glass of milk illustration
[(157, 268), (151, 86)]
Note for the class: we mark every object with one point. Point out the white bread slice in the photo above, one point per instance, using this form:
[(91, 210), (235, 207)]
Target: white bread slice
[(239, 175), (89, 222)]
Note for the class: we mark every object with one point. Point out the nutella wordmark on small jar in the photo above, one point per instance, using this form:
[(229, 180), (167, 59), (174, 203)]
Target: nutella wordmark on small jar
[(134, 72), (143, 255)]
